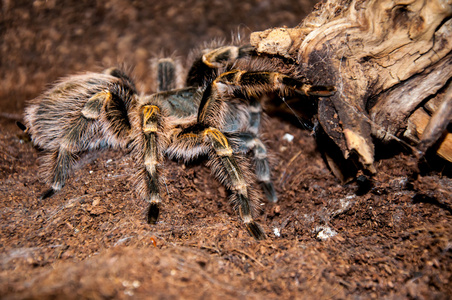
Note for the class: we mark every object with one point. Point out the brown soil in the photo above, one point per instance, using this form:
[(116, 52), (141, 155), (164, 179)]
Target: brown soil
[(325, 240)]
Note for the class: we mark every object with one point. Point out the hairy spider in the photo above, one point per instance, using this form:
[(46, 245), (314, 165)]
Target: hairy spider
[(217, 116)]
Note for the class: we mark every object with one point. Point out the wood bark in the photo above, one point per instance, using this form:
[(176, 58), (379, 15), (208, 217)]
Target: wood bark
[(391, 62)]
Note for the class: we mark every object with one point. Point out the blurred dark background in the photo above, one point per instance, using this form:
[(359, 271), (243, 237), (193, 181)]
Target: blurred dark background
[(43, 40)]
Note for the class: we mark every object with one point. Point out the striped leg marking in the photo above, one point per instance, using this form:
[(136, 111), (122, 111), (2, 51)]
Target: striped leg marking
[(236, 180), (150, 116)]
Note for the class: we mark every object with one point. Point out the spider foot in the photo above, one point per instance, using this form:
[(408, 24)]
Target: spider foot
[(21, 126), (269, 191), (255, 230), (47, 194), (153, 213)]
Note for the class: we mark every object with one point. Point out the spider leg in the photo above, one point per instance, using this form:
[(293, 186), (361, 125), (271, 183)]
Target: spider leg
[(59, 163), (224, 166), (205, 67), (151, 140), (148, 147), (79, 114), (166, 74), (249, 140), (221, 56), (237, 181), (254, 83)]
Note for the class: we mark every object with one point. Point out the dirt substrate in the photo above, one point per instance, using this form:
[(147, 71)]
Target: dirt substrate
[(90, 241)]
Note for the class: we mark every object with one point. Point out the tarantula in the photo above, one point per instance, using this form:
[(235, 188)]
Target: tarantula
[(217, 115)]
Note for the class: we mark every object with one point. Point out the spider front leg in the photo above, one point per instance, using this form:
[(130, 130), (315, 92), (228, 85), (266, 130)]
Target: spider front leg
[(237, 181), (199, 139), (205, 67), (254, 84)]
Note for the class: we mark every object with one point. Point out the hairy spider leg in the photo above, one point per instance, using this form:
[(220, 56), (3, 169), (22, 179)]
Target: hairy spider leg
[(150, 159), (249, 140), (237, 181), (151, 142), (59, 162), (199, 139), (204, 69), (166, 75), (221, 56), (255, 83), (109, 104)]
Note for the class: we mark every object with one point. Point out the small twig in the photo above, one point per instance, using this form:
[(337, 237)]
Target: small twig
[(250, 256)]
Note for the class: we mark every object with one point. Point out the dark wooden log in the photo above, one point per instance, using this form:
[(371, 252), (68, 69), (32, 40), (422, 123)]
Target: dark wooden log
[(391, 62)]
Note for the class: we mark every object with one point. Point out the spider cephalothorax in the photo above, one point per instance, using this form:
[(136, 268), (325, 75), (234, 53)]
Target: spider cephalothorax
[(217, 115)]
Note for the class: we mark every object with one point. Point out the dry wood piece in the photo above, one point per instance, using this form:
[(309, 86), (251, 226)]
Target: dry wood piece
[(387, 59)]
